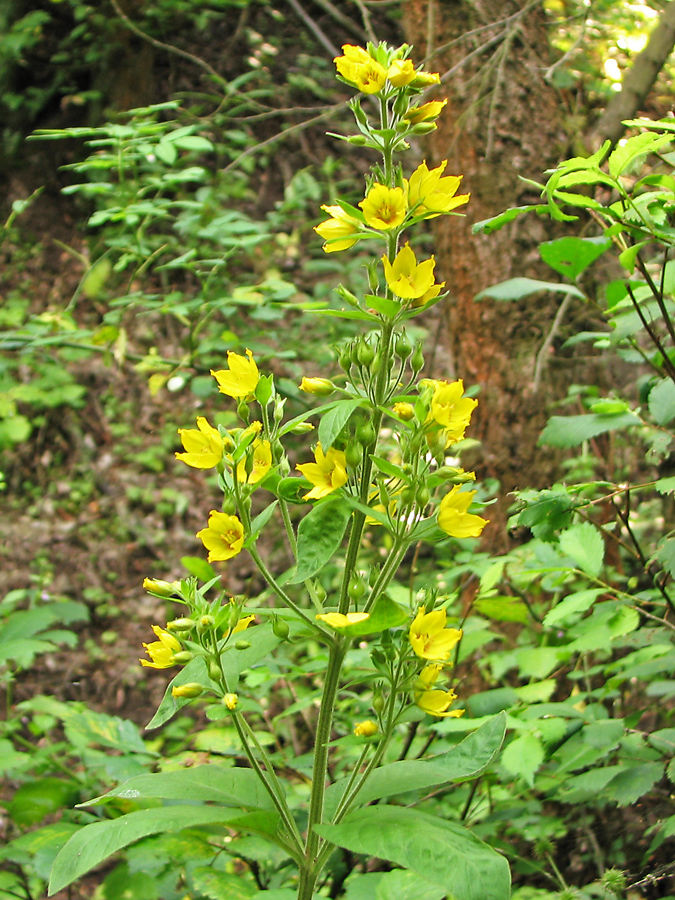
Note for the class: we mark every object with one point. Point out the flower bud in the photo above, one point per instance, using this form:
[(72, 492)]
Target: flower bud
[(379, 660), (346, 295), (229, 506), (191, 689), (231, 701), (183, 656), (353, 454), (365, 729), (373, 280), (417, 359), (321, 387), (424, 128), (356, 588), (242, 410), (365, 434), (228, 443), (302, 428), (423, 497), (182, 624), (206, 622), (345, 358), (358, 140), (425, 79), (165, 589), (242, 645), (405, 411), (214, 670), (378, 702), (403, 347), (359, 114), (400, 107), (280, 628), (365, 354), (377, 363)]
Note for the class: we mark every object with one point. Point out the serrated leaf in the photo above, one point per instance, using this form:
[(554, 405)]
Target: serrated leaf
[(92, 844), (320, 534), (570, 256), (629, 152), (570, 431), (584, 543), (665, 555), (517, 288), (632, 783), (442, 852), (662, 402), (628, 257), (523, 756), (572, 605)]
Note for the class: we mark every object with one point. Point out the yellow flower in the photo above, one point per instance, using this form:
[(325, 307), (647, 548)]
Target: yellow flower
[(401, 72), (425, 113), (338, 620), (231, 701), (365, 729), (327, 474), (338, 230), (429, 637), (384, 208), (262, 462), (453, 517), (224, 536), (204, 446), (406, 278), (241, 625), (426, 79), (242, 377), (321, 387), (358, 67), (434, 702), (405, 411), (432, 194), (161, 652), (452, 410)]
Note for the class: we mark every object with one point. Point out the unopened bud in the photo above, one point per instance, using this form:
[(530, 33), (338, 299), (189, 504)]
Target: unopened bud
[(206, 622), (365, 354), (358, 140), (214, 670), (231, 701), (280, 628), (423, 497), (182, 624), (302, 428), (228, 444), (417, 359), (165, 589), (379, 660), (345, 358), (424, 128), (356, 588), (242, 645), (353, 454), (378, 702), (403, 347), (346, 295), (373, 280), (321, 387), (183, 656), (365, 729), (191, 689), (405, 411), (365, 434), (242, 410)]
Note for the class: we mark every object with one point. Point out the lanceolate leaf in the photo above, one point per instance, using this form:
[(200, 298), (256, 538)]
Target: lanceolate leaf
[(209, 783), (334, 421), (94, 843), (319, 535), (517, 288), (442, 852), (570, 431)]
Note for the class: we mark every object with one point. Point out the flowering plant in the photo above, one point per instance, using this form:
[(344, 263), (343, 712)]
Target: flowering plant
[(355, 486)]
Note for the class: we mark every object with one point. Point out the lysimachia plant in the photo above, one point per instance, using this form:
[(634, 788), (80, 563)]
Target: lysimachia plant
[(361, 483)]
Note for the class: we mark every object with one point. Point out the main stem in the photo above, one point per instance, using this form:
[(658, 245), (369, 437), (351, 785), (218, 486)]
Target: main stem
[(309, 871)]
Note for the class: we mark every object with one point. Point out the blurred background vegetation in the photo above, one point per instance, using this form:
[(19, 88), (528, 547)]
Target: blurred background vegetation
[(162, 166)]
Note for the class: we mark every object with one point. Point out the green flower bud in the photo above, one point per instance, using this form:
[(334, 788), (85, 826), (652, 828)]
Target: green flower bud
[(229, 506), (183, 656), (353, 454), (377, 363), (182, 624), (403, 347), (206, 622), (302, 428), (417, 359), (402, 126), (214, 670), (164, 589), (191, 689), (378, 658), (365, 434), (378, 702), (424, 128), (280, 628), (356, 588), (365, 354), (423, 497), (345, 358), (358, 140), (346, 295), (401, 104), (242, 645), (243, 411)]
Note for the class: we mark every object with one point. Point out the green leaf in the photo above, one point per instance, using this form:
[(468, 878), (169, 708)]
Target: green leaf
[(319, 535), (334, 421), (629, 152), (523, 757), (262, 519), (662, 402), (94, 843), (487, 226), (442, 852), (572, 605), (467, 760), (666, 485), (628, 257), (584, 543), (346, 314), (208, 783), (665, 555), (629, 785), (570, 256), (517, 288), (502, 609), (193, 142), (36, 799), (570, 431), (385, 614)]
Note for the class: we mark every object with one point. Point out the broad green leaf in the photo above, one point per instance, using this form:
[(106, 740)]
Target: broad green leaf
[(389, 308), (584, 543), (208, 882), (629, 256), (587, 786), (34, 800), (545, 513), (666, 485), (502, 609), (632, 783), (346, 314), (570, 431), (333, 421), (320, 534), (523, 756), (193, 142), (467, 760), (572, 605), (665, 555), (204, 784), (662, 402), (538, 662), (570, 256), (442, 852), (517, 288), (94, 843), (385, 614), (400, 883)]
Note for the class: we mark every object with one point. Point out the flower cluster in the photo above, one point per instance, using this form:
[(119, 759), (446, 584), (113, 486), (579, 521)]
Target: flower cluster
[(432, 640)]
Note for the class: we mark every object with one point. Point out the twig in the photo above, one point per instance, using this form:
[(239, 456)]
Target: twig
[(503, 53), (367, 21), (314, 28), (344, 20), (540, 363)]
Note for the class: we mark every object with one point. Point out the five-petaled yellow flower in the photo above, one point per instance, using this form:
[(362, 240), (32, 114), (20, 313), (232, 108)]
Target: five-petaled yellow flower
[(406, 278), (358, 67), (451, 409), (161, 652), (241, 379), (429, 637), (434, 701), (327, 474), (425, 113), (384, 208), (338, 620), (262, 462), (431, 193), (204, 446), (338, 231), (454, 518), (224, 536)]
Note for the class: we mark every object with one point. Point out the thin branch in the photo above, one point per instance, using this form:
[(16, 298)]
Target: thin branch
[(541, 360), (340, 17), (314, 28), (367, 21)]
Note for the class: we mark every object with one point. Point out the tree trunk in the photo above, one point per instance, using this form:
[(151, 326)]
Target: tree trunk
[(502, 121)]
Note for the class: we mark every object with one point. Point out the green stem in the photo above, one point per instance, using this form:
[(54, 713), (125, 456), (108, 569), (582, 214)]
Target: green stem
[(309, 870)]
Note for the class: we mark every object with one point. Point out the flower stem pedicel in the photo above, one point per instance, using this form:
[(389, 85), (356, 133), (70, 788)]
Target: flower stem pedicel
[(351, 484)]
